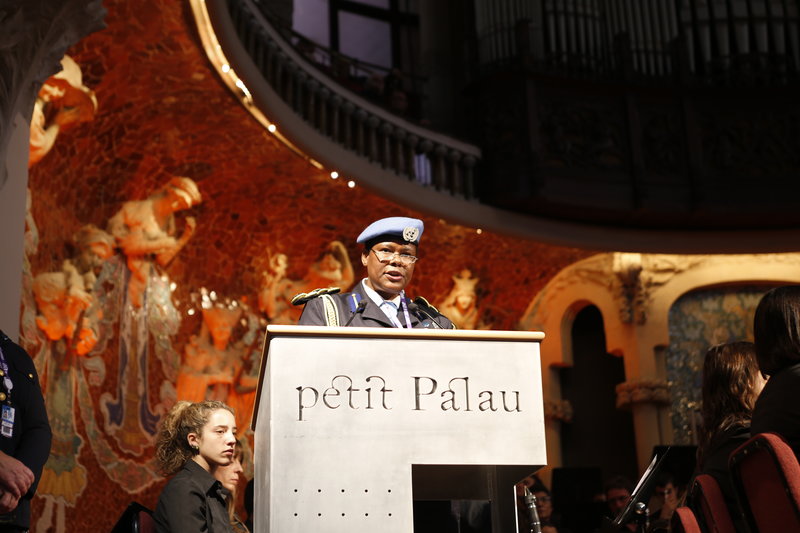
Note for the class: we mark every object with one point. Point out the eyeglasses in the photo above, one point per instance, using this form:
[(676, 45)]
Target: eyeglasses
[(385, 257), (543, 499)]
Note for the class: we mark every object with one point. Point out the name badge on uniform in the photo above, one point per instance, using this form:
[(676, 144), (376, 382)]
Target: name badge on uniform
[(7, 425)]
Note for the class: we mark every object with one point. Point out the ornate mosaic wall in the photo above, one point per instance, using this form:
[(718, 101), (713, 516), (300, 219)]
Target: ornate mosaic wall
[(698, 320), (132, 328)]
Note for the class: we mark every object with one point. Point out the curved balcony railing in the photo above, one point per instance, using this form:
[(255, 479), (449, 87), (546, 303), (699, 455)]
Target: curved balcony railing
[(401, 93), (336, 129), (355, 124)]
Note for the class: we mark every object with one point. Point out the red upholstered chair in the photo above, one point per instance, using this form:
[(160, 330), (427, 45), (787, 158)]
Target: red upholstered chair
[(684, 521), (766, 475), (144, 522), (707, 500)]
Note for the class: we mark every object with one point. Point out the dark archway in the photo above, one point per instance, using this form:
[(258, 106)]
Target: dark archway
[(600, 435)]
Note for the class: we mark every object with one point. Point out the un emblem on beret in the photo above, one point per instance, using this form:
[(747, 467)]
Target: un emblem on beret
[(410, 234)]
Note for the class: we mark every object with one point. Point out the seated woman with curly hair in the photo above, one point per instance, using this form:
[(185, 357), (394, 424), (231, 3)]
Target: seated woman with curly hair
[(194, 441)]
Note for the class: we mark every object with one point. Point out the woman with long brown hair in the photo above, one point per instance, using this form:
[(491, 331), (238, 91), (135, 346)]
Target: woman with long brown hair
[(194, 441), (731, 384), (230, 476)]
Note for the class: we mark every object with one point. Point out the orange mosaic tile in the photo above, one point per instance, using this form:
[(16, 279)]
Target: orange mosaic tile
[(163, 113)]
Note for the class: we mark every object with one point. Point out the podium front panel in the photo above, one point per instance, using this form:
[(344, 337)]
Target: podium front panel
[(343, 417)]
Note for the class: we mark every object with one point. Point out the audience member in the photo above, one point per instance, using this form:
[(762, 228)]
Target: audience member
[(731, 385), (532, 483), (618, 491), (230, 476), (776, 328), (249, 501), (549, 519), (665, 498), (194, 441), (25, 435)]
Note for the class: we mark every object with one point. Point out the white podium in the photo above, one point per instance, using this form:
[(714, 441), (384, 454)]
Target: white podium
[(344, 414)]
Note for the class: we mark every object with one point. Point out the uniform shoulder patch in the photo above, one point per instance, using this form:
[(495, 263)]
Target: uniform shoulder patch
[(304, 297), (419, 300)]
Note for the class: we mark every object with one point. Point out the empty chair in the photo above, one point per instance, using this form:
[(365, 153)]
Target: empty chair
[(705, 497), (684, 521), (135, 519), (766, 475)]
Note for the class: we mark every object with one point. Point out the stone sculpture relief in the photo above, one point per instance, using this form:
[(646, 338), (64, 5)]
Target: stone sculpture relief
[(33, 38), (629, 277), (220, 362), (94, 247), (642, 391), (62, 102), (61, 300), (460, 306), (207, 369), (76, 309), (333, 269), (145, 231)]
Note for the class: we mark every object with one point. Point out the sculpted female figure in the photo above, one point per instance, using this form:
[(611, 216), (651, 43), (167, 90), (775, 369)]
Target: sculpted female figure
[(61, 298), (333, 269), (210, 362), (61, 301), (62, 101), (461, 304), (145, 230)]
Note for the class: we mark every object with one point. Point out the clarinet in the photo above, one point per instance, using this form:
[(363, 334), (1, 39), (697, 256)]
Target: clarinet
[(530, 503)]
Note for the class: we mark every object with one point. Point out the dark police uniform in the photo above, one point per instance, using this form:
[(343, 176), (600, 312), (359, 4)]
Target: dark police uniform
[(370, 315), (30, 435)]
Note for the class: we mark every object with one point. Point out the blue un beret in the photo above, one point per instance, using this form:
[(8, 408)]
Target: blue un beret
[(408, 229)]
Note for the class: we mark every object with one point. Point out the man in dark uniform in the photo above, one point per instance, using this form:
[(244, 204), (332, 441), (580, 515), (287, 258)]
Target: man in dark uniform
[(379, 300), (24, 436)]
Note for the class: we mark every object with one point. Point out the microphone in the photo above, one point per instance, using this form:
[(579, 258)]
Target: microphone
[(359, 309), (419, 305)]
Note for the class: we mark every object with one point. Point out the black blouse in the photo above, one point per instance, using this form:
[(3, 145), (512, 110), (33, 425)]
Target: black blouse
[(193, 501), (777, 409)]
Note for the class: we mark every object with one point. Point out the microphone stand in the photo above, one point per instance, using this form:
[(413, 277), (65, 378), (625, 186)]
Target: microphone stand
[(422, 309), (360, 309)]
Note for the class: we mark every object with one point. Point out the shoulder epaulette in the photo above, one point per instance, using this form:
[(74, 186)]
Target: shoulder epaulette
[(304, 297), (419, 300)]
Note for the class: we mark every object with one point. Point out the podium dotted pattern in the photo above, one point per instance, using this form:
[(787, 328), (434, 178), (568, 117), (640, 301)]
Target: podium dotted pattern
[(303, 509)]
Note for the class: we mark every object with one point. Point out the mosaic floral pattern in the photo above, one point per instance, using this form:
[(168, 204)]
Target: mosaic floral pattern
[(698, 320), (164, 113)]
